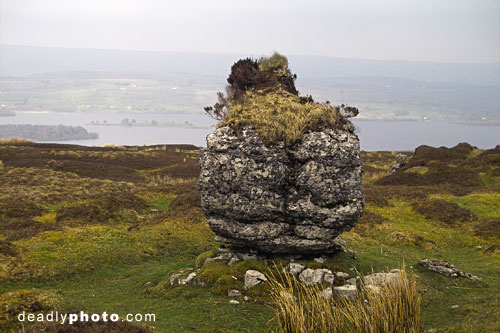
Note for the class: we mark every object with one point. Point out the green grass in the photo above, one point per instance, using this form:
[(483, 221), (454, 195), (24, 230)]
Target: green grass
[(123, 289), (123, 264), (484, 205)]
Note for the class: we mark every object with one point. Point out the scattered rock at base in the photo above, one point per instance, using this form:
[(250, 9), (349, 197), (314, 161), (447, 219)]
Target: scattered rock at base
[(382, 279), (234, 302), (295, 268), (188, 279), (319, 260), (253, 278), (445, 268), (315, 276), (348, 291), (327, 293), (234, 293), (342, 275), (183, 277), (351, 281)]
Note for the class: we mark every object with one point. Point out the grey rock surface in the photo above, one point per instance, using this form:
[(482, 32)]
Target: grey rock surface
[(314, 276), (400, 162), (279, 199), (327, 293), (234, 293), (295, 268), (382, 279), (349, 291), (445, 268), (253, 278)]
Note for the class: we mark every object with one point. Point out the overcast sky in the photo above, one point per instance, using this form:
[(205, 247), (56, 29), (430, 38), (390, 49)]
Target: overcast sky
[(428, 30)]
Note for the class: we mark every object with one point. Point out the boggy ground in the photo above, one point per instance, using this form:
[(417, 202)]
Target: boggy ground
[(101, 229)]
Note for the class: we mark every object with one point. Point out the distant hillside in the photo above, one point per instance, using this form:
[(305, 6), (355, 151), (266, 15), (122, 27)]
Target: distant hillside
[(46, 132), (25, 60)]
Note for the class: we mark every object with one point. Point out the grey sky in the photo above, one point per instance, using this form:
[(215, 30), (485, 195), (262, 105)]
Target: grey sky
[(429, 30)]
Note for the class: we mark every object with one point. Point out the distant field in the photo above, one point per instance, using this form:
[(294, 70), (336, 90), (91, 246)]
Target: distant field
[(376, 97), (102, 228)]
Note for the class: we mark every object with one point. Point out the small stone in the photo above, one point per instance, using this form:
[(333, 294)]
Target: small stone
[(479, 247), (307, 276), (209, 260), (174, 277), (225, 256), (253, 278), (432, 330), (234, 302), (348, 291), (454, 306), (233, 261), (327, 293), (249, 257), (351, 281), (342, 275), (328, 277), (188, 279), (295, 268), (234, 293), (245, 298), (319, 260), (380, 279)]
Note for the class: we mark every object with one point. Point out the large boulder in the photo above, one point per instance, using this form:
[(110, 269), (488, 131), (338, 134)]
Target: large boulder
[(280, 199)]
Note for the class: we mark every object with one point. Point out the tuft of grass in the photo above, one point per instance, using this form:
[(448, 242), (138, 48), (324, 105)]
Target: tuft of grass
[(281, 116), (302, 308)]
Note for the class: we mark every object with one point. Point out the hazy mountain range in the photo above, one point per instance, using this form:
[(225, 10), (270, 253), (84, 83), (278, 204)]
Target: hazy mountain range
[(39, 78)]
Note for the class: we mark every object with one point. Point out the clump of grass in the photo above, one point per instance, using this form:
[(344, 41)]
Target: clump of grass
[(281, 116), (396, 307)]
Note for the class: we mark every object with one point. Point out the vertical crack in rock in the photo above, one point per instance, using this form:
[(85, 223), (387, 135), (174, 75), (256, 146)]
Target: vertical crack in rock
[(279, 199)]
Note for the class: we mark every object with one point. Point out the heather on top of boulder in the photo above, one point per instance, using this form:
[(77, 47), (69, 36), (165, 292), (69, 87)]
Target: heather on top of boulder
[(262, 94)]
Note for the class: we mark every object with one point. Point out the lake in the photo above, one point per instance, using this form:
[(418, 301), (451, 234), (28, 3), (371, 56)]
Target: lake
[(373, 134)]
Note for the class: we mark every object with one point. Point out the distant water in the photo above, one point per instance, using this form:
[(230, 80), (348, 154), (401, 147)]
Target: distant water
[(374, 135)]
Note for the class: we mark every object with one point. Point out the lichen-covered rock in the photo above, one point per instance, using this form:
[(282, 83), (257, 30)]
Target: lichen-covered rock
[(281, 199)]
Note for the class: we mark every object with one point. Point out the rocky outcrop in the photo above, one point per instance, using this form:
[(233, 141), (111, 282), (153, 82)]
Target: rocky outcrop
[(400, 162), (280, 199), (445, 268)]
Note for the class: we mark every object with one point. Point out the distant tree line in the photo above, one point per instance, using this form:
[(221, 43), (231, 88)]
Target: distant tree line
[(46, 132)]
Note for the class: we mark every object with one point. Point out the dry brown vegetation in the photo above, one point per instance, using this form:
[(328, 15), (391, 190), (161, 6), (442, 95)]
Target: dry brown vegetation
[(396, 307)]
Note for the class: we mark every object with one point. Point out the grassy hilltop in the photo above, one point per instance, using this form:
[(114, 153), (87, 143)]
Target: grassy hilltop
[(101, 229)]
